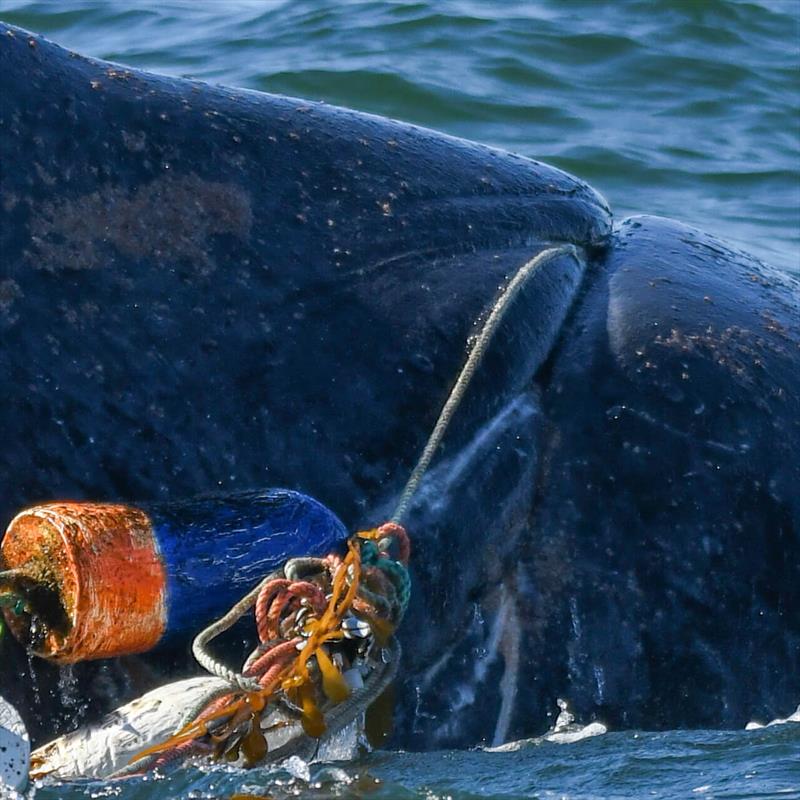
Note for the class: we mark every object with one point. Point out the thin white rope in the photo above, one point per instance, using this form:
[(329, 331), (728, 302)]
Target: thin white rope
[(498, 312), (200, 644)]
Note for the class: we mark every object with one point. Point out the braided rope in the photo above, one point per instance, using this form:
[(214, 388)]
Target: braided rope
[(498, 312), (342, 714), (211, 664)]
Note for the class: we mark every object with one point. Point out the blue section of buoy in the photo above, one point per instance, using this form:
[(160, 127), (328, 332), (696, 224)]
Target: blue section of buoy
[(216, 549)]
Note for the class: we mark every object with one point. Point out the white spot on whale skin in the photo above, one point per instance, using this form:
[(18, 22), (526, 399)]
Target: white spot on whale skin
[(600, 684), (15, 751), (615, 322)]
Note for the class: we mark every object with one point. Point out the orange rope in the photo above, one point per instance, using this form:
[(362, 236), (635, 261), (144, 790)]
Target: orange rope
[(293, 677)]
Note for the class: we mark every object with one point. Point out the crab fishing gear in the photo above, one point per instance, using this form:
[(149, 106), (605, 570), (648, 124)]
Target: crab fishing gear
[(325, 651)]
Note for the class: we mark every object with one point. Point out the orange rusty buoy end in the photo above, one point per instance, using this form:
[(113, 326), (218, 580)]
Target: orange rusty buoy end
[(100, 563)]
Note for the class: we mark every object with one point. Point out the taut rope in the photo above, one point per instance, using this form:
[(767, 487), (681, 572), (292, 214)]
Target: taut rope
[(499, 309)]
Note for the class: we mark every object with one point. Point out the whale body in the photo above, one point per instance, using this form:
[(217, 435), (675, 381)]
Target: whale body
[(212, 289)]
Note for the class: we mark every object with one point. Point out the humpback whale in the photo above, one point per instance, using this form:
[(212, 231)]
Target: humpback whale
[(213, 289)]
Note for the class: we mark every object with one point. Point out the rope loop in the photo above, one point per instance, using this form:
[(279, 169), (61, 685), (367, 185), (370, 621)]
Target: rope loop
[(319, 621)]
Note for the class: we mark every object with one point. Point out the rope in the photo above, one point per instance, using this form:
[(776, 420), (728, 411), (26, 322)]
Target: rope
[(303, 627), (213, 665), (191, 713), (342, 714), (275, 662), (10, 597), (337, 716), (499, 309)]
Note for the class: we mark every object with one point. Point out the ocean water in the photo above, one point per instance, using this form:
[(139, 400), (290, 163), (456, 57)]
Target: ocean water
[(613, 766), (686, 108)]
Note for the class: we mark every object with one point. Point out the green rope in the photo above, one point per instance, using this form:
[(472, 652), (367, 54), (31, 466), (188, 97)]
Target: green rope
[(9, 598), (15, 603), (400, 578), (12, 601), (396, 572)]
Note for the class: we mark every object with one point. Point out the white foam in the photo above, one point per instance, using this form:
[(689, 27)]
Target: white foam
[(753, 726), (577, 734), (565, 731)]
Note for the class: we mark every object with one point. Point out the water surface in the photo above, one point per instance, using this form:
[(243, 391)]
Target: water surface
[(615, 766)]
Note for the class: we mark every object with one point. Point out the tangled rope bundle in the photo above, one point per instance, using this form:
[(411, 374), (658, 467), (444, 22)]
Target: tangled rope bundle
[(318, 620)]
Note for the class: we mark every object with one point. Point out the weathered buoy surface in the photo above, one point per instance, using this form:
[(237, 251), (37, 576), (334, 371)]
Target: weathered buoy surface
[(114, 579)]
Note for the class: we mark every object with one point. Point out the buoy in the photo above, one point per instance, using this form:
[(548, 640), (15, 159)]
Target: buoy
[(101, 580), (107, 746)]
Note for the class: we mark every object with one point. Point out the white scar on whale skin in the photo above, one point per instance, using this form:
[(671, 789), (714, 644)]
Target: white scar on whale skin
[(509, 683), (467, 691), (504, 639), (436, 487), (504, 635), (438, 484)]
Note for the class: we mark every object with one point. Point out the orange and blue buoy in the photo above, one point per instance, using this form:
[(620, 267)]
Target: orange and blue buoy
[(128, 578)]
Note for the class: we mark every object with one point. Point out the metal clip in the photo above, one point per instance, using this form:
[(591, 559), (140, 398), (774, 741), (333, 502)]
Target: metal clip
[(355, 628)]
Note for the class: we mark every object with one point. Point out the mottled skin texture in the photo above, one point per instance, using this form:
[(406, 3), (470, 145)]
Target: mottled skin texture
[(654, 579), (677, 487), (206, 288), (210, 289)]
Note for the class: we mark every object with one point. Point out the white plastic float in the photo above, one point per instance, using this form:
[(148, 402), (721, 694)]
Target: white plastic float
[(15, 750)]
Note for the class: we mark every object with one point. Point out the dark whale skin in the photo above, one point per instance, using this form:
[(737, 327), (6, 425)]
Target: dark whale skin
[(671, 500), (186, 254), (205, 288), (655, 576), (214, 289)]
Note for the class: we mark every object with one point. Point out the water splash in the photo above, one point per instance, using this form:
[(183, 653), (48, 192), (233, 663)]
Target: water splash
[(753, 726), (564, 731)]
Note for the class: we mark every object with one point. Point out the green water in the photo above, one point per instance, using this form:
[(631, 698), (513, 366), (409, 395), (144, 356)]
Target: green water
[(686, 108)]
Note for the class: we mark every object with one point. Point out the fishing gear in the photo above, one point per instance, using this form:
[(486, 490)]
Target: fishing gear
[(98, 580), (325, 619)]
